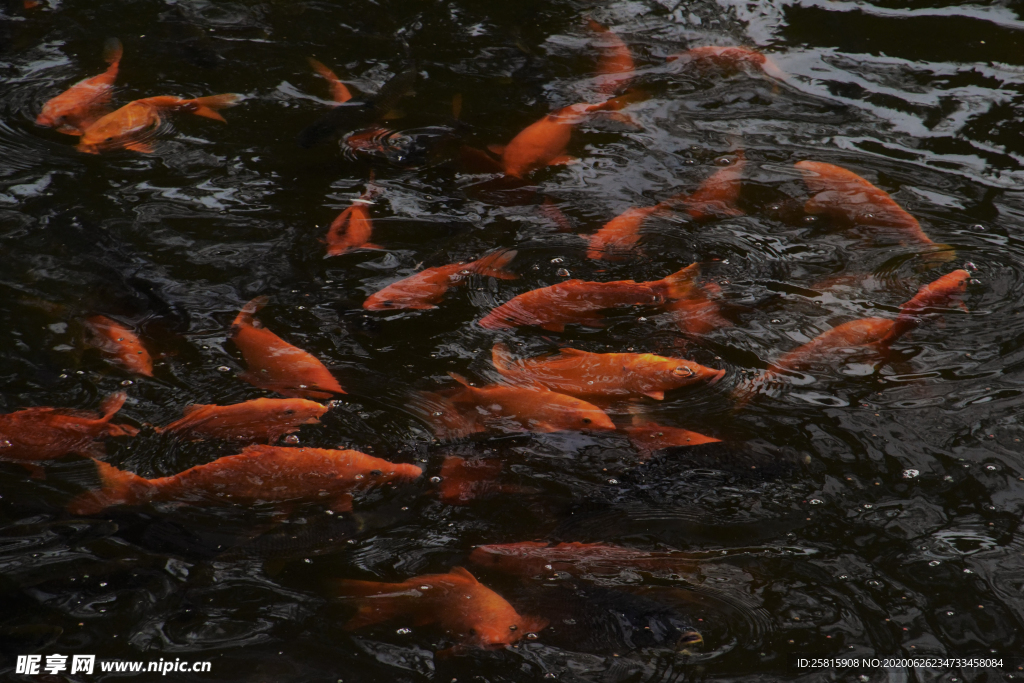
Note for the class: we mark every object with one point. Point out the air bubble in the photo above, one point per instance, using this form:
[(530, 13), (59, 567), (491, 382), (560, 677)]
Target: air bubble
[(910, 474), (816, 501), (558, 259), (404, 631), (613, 481), (562, 272), (532, 636), (127, 383), (291, 439), (934, 563), (435, 480), (223, 368)]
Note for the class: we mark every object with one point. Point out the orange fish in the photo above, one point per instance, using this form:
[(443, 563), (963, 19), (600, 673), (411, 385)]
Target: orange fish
[(648, 437), (694, 310), (533, 558), (446, 420), (276, 365), (82, 104), (622, 375), (466, 611), (136, 122), (577, 301), (352, 228), (35, 434), (615, 65), (846, 197), (729, 60), (120, 343), (937, 294), (262, 419), (619, 235), (534, 408), (465, 480), (259, 474), (339, 93), (425, 289)]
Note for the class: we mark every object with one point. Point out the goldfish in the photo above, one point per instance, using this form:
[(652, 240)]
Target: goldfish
[(464, 480), (44, 433), (133, 124), (729, 60), (445, 419), (581, 373), (82, 104), (276, 365), (425, 289), (534, 558), (339, 92), (937, 294), (620, 234), (846, 197), (466, 611), (262, 419), (534, 408), (259, 474), (578, 301), (694, 309), (352, 228), (615, 65), (120, 343), (648, 437)]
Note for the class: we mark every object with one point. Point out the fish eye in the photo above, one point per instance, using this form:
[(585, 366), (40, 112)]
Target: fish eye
[(289, 411), (682, 371), (376, 473), (110, 139), (587, 420)]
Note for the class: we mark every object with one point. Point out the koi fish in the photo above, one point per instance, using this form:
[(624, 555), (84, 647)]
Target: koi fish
[(577, 301), (615, 65), (256, 475), (937, 294), (339, 92), (464, 480), (648, 437), (79, 106), (352, 228), (535, 558), (533, 408), (133, 124), (425, 289), (120, 343), (276, 365), (463, 608), (846, 197), (446, 420), (729, 60), (262, 419), (694, 310), (619, 235), (35, 434), (580, 373)]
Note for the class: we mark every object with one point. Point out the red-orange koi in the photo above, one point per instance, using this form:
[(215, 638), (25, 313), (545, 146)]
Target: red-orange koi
[(339, 92), (133, 124), (463, 608), (276, 365), (465, 480), (615, 65), (622, 375), (259, 474), (533, 408), (35, 434), (119, 343), (694, 310), (846, 197), (425, 289), (729, 60), (534, 558), (937, 294), (82, 104), (352, 228), (577, 301), (648, 437), (262, 419)]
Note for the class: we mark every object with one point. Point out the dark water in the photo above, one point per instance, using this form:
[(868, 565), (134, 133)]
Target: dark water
[(867, 510)]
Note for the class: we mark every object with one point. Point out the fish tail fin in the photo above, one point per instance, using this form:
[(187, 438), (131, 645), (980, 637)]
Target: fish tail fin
[(493, 265), (117, 487), (339, 92), (112, 51), (246, 315), (627, 98), (208, 106), (939, 254), (445, 420), (111, 404), (373, 603), (681, 283)]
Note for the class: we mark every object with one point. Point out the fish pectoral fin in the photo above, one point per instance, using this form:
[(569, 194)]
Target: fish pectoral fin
[(496, 149), (572, 353), (143, 147), (463, 573), (656, 395), (371, 245)]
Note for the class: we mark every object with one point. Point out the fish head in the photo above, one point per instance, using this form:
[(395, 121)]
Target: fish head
[(576, 415), (302, 411), (498, 633)]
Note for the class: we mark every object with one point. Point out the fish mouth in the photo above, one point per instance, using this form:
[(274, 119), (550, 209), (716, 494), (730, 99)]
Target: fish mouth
[(88, 149), (688, 640)]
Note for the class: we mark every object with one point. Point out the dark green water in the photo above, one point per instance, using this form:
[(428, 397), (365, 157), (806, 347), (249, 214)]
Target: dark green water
[(864, 510)]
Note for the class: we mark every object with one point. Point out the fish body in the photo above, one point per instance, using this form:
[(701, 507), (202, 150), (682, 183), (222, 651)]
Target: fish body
[(578, 301), (534, 558), (351, 230), (850, 199), (133, 124), (648, 437), (119, 343), (937, 294), (729, 60), (262, 419), (695, 310), (36, 434), (276, 365), (259, 474), (465, 480), (622, 375), (615, 64), (339, 92), (82, 104), (466, 610), (619, 235), (426, 289), (533, 408)]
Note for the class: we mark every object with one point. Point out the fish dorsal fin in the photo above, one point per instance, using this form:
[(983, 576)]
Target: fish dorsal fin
[(463, 573), (194, 408), (496, 149), (461, 380), (245, 316), (573, 353)]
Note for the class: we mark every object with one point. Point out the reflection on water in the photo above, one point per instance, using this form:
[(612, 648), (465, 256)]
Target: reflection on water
[(859, 507)]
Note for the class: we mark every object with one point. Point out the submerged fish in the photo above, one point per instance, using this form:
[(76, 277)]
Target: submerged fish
[(466, 611), (82, 104), (35, 434), (133, 124), (695, 311), (648, 437), (465, 480), (728, 60), (578, 301), (425, 289), (534, 558), (339, 92), (846, 197), (352, 228), (262, 419), (585, 374), (276, 365), (258, 474), (615, 64), (120, 343)]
